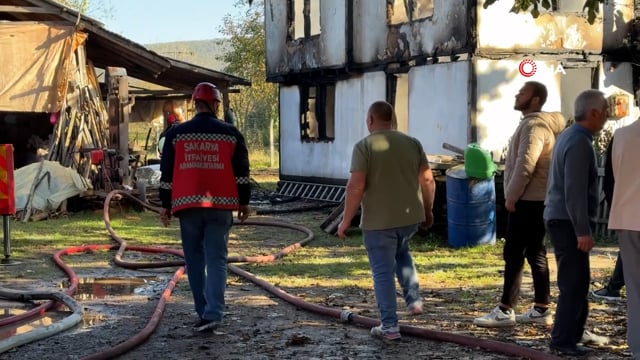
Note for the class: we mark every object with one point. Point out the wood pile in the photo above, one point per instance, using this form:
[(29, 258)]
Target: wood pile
[(83, 123)]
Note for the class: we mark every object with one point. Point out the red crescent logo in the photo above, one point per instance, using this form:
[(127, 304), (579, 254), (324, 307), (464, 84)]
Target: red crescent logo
[(527, 68)]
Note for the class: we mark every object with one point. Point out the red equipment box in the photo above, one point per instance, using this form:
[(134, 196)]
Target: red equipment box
[(97, 156), (7, 187)]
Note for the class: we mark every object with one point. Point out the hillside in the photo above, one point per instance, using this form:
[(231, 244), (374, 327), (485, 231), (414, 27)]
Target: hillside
[(204, 53)]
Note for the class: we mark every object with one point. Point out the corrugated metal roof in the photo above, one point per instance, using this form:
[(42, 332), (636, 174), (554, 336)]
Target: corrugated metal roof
[(106, 48)]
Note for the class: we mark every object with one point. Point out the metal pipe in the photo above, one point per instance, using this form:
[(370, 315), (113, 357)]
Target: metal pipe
[(7, 238), (453, 148)]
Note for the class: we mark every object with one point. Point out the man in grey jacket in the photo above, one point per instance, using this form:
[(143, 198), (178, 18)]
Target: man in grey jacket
[(525, 183), (570, 209)]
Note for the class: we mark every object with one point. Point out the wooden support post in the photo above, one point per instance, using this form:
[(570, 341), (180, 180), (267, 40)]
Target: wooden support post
[(119, 106)]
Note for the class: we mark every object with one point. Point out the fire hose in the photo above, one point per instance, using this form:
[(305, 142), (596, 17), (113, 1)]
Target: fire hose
[(142, 336), (41, 333)]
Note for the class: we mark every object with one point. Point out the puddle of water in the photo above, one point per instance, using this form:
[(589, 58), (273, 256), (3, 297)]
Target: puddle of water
[(88, 289), (109, 288), (90, 318)]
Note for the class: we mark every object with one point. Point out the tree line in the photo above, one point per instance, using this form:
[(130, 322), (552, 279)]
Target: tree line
[(256, 107)]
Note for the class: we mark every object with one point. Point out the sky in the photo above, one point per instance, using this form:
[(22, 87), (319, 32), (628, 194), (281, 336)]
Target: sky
[(155, 21)]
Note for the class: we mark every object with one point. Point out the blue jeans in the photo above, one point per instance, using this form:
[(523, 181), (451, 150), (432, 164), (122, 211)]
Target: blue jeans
[(389, 256), (205, 234)]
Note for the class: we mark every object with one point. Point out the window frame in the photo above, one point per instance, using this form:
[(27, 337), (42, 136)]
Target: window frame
[(324, 95), (409, 14), (306, 21)]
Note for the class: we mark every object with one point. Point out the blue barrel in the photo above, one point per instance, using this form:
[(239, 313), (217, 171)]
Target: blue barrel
[(471, 209)]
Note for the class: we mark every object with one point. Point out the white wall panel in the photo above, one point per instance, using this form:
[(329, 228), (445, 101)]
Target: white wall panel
[(498, 82), (439, 105), (500, 29), (446, 30), (328, 159), (275, 22)]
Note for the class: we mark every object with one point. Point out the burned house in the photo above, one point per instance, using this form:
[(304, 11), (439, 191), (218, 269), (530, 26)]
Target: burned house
[(451, 68), (71, 86)]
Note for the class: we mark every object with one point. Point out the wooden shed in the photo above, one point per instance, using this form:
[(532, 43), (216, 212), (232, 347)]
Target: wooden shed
[(67, 80)]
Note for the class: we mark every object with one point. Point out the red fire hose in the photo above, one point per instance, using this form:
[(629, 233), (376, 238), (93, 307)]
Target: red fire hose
[(345, 316)]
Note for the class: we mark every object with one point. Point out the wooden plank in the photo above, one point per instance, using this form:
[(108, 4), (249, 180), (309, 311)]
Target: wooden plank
[(331, 223), (36, 180), (27, 9)]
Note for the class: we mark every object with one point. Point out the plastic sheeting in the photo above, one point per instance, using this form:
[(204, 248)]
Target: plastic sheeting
[(35, 58), (56, 183), (149, 174)]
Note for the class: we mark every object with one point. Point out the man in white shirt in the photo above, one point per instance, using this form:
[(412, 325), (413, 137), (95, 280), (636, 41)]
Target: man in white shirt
[(624, 219)]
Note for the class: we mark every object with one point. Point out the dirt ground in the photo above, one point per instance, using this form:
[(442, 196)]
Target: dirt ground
[(259, 325)]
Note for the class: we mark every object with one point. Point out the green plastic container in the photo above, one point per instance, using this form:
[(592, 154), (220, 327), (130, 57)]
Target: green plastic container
[(478, 162)]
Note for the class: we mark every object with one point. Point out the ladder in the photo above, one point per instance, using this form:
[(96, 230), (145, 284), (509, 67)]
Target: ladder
[(330, 193)]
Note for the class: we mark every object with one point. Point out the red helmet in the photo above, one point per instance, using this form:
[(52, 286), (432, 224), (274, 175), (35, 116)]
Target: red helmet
[(206, 92)]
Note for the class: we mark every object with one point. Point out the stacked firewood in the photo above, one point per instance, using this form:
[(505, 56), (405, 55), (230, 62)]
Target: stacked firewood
[(82, 124)]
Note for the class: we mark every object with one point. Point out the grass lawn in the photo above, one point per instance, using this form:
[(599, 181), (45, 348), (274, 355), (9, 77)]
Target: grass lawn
[(325, 262), (456, 284)]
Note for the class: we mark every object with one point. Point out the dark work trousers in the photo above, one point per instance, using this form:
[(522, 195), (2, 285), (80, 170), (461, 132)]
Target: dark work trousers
[(525, 240), (573, 282), (617, 279)]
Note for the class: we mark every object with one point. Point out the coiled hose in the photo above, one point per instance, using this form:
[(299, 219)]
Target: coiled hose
[(344, 316)]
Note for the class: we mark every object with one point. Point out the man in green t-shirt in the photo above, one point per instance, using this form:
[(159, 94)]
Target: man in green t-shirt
[(391, 179)]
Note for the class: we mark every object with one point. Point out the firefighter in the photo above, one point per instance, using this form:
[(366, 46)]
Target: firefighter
[(173, 119), (205, 177)]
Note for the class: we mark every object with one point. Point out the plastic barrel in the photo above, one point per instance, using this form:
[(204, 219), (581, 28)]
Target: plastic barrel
[(471, 209)]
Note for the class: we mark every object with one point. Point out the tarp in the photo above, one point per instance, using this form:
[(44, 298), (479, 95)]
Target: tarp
[(35, 58), (56, 183)]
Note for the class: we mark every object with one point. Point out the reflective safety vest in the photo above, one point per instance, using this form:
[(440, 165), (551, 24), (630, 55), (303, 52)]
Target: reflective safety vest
[(206, 166)]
